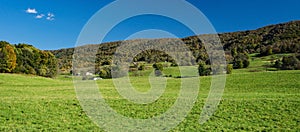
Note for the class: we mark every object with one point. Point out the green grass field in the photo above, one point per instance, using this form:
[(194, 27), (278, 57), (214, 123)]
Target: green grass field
[(252, 101)]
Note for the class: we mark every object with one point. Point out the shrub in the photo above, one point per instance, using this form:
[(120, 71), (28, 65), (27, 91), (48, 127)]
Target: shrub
[(238, 64), (158, 69), (290, 63), (103, 73), (277, 64), (167, 75), (203, 70), (246, 63), (229, 68), (241, 61), (158, 66), (141, 67), (173, 64)]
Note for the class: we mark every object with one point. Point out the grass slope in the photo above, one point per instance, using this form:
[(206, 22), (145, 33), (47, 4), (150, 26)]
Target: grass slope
[(252, 101), (34, 103)]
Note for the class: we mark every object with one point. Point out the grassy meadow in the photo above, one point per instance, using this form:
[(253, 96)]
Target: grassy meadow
[(254, 100)]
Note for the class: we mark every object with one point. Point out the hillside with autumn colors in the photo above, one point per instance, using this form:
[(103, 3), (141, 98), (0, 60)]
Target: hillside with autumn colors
[(272, 39)]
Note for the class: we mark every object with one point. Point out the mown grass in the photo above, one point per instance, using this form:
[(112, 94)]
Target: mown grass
[(31, 103), (252, 101)]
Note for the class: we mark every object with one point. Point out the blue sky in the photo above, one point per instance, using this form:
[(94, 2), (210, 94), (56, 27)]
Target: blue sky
[(55, 24)]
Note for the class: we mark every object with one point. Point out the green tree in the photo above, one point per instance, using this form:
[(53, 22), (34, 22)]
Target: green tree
[(241, 61), (203, 69), (229, 68), (103, 73), (290, 63), (141, 67), (238, 64), (158, 68), (8, 57), (31, 60), (234, 52)]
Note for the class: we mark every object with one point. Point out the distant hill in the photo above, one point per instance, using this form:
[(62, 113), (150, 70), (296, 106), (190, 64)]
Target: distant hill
[(273, 39)]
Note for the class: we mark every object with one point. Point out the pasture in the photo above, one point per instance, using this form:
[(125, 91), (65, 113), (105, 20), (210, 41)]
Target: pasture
[(252, 101)]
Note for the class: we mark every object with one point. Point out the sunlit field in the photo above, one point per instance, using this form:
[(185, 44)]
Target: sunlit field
[(251, 101)]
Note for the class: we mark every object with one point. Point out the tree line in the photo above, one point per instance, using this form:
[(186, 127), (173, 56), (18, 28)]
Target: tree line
[(291, 62), (26, 59)]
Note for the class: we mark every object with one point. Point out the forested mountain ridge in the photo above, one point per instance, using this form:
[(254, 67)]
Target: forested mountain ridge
[(279, 38)]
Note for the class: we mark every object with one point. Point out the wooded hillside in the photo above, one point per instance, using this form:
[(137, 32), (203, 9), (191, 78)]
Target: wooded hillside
[(280, 38)]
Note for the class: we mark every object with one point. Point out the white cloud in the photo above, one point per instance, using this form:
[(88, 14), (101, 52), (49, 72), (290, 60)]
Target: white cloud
[(39, 16), (31, 11), (50, 16)]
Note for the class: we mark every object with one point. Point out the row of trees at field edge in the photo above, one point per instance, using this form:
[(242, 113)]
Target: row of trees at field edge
[(291, 62), (26, 59)]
